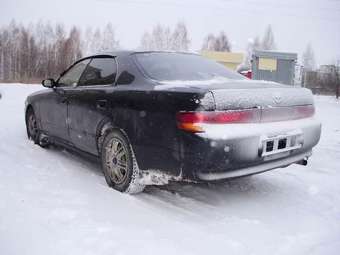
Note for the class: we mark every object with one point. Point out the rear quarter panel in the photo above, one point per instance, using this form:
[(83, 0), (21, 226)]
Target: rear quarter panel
[(149, 119)]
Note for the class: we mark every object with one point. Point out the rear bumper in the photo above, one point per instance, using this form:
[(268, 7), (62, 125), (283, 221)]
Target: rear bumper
[(254, 169), (232, 150)]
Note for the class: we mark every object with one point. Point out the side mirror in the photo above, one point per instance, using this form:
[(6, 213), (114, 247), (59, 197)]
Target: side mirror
[(48, 83)]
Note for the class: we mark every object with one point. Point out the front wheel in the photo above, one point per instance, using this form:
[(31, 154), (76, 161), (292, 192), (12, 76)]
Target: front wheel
[(32, 126), (119, 164), (33, 132)]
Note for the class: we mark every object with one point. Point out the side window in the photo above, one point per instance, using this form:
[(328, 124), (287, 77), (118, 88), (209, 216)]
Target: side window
[(72, 76), (100, 71)]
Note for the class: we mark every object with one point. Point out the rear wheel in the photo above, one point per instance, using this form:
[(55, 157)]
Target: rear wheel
[(119, 163)]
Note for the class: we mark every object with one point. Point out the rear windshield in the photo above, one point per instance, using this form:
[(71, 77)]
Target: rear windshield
[(165, 66)]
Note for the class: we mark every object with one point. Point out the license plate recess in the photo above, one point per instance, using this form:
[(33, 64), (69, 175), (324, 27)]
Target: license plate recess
[(281, 143)]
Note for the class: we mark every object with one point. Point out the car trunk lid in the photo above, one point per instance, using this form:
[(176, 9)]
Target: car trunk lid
[(245, 95), (250, 103)]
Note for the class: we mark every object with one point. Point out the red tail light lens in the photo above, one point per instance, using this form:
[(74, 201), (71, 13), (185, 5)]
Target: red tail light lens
[(190, 121), (304, 111), (287, 113), (219, 117)]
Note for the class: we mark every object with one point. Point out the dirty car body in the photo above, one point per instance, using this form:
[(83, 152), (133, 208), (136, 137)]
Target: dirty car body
[(186, 118)]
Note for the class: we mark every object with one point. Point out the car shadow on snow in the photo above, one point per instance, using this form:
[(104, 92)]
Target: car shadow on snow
[(83, 160), (187, 196), (231, 192)]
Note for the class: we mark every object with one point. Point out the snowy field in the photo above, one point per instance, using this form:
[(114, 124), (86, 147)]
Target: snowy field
[(55, 202)]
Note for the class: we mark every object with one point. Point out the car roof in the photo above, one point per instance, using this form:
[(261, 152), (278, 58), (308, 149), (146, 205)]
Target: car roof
[(124, 53)]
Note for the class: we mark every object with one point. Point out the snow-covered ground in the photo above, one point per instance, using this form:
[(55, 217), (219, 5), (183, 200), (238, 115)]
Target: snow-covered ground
[(54, 202)]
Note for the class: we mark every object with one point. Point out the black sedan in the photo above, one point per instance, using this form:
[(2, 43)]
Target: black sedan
[(155, 117)]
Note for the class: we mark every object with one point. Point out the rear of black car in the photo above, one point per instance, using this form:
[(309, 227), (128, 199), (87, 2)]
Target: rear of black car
[(238, 127)]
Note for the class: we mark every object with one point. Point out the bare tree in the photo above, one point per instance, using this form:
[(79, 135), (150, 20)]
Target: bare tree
[(308, 59), (162, 38), (180, 37), (167, 39), (71, 49), (252, 45), (217, 43), (337, 78), (109, 41), (209, 42), (222, 43), (2, 45), (268, 41), (32, 57), (158, 38), (96, 41), (145, 43), (60, 49), (36, 51), (87, 40), (23, 54)]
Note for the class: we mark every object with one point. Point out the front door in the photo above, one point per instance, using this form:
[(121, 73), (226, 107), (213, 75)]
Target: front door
[(54, 108), (53, 112)]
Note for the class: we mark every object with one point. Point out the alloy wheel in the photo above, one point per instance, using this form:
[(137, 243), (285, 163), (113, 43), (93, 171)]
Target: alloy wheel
[(117, 160)]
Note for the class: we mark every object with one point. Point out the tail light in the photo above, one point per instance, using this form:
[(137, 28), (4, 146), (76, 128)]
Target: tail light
[(191, 121), (287, 113), (304, 111)]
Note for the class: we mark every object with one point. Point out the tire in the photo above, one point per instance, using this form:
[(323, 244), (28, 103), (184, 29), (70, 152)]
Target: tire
[(119, 163), (32, 126), (33, 131)]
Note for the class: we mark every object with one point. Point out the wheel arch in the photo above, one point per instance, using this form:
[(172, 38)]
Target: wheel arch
[(29, 107), (32, 108), (103, 128)]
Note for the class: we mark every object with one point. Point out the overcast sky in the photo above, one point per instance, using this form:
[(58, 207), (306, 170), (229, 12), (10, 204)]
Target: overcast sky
[(294, 22)]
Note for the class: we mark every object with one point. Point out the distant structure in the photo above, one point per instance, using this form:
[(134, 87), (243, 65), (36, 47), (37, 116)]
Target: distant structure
[(325, 80), (230, 60), (274, 66), (298, 77)]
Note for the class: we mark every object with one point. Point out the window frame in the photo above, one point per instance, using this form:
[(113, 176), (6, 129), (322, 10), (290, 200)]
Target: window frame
[(90, 58), (68, 69), (100, 85)]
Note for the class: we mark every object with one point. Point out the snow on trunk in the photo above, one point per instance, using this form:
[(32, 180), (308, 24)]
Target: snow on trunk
[(228, 99)]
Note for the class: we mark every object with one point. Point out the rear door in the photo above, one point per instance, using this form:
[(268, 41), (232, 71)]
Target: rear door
[(89, 103)]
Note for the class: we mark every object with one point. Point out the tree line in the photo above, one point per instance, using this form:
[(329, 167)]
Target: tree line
[(39, 50), (36, 51), (31, 53), (164, 38)]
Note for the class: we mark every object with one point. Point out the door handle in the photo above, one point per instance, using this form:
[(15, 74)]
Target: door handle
[(101, 104)]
